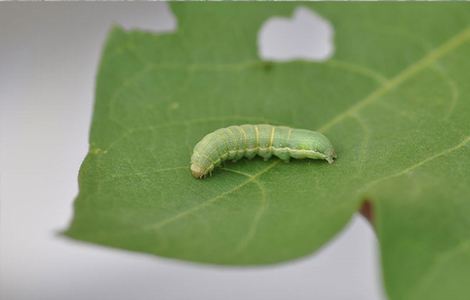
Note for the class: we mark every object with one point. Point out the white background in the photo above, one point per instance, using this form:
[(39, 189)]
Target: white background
[(48, 61)]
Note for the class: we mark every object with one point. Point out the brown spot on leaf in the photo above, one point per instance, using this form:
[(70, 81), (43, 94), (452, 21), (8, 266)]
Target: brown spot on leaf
[(367, 210)]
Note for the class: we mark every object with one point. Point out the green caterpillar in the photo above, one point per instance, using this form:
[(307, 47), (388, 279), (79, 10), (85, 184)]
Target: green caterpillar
[(235, 142)]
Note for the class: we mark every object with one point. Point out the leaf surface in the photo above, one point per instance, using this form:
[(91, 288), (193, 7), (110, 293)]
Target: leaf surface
[(394, 100)]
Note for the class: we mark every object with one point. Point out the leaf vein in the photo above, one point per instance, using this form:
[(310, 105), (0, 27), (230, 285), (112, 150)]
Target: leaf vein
[(404, 75), (258, 215), (159, 225), (419, 164)]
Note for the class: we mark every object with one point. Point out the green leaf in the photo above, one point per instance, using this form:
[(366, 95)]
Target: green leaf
[(394, 101)]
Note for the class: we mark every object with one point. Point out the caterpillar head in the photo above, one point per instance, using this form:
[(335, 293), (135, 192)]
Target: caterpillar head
[(197, 171)]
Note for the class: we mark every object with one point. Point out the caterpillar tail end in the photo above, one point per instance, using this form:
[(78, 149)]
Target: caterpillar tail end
[(197, 171), (331, 157)]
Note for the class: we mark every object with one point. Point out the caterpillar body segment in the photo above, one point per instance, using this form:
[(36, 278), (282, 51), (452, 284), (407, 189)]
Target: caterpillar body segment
[(236, 142)]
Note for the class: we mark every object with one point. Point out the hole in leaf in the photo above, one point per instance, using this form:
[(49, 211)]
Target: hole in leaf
[(306, 35)]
